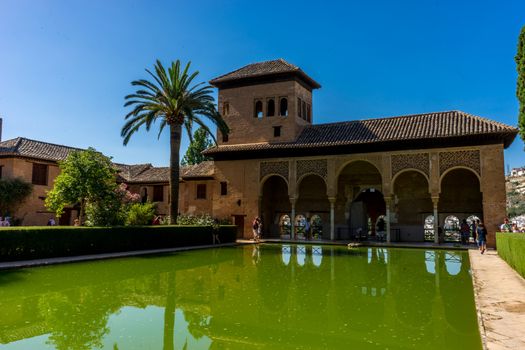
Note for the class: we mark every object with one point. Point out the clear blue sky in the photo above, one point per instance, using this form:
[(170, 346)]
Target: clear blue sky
[(65, 66)]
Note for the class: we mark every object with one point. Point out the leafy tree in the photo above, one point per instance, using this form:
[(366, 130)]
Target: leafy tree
[(520, 89), (140, 214), (13, 192), (173, 101), (199, 143), (86, 177)]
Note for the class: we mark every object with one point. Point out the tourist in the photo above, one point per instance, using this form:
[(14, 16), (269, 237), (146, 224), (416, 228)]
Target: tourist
[(259, 230), (506, 227), (381, 229), (482, 237), (76, 222), (307, 228), (515, 228), (156, 220), (51, 222), (464, 230), (255, 228)]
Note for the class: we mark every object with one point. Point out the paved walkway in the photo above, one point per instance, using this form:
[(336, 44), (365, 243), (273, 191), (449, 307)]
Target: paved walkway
[(500, 300), (70, 259)]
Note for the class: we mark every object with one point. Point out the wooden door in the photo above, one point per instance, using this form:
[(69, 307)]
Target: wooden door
[(239, 222)]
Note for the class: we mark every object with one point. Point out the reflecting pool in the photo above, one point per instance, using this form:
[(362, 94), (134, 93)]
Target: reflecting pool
[(250, 297)]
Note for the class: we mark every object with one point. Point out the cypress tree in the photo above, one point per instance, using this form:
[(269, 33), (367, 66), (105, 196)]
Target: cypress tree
[(520, 88)]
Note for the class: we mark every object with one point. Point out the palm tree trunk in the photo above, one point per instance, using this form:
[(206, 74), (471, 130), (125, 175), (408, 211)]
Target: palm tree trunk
[(175, 133)]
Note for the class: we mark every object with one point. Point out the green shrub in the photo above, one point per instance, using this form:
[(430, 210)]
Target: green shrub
[(511, 248), (140, 214), (26, 243)]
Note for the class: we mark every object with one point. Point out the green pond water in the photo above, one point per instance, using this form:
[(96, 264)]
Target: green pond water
[(265, 297)]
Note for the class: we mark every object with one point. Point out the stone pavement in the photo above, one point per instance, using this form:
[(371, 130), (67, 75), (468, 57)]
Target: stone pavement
[(500, 300)]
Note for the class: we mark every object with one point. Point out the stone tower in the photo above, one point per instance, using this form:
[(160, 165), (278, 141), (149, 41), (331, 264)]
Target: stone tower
[(268, 101)]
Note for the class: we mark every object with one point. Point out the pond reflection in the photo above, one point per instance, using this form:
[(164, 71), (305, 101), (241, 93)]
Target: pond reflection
[(258, 296)]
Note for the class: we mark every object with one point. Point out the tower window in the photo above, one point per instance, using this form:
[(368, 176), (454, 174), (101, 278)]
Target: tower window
[(224, 137), (276, 131), (299, 107), (283, 107), (224, 188), (258, 109), (225, 108), (309, 113), (40, 172), (303, 110), (201, 191), (270, 110)]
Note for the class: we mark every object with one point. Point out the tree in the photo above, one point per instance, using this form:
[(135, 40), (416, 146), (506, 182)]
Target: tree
[(86, 177), (172, 100), (13, 192), (199, 143), (520, 89)]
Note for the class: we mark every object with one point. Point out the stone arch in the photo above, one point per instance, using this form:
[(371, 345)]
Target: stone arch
[(456, 168), (274, 203), (312, 198), (460, 193), (348, 162), (399, 173), (266, 177), (300, 180), (412, 204)]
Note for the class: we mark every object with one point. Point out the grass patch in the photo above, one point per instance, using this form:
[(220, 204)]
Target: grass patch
[(511, 248)]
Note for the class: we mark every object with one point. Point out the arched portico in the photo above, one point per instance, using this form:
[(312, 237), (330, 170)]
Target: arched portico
[(274, 204), (312, 200)]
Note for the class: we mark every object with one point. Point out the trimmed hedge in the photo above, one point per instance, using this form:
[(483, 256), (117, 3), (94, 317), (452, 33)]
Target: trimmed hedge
[(511, 248), (26, 243)]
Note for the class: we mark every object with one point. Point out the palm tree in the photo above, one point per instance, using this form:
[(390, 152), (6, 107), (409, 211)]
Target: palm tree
[(172, 100)]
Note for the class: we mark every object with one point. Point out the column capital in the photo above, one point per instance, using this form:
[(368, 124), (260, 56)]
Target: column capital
[(332, 199), (435, 200), (293, 200)]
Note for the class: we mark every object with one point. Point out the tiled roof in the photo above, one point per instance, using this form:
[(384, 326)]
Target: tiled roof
[(260, 69), (128, 172), (152, 174), (204, 169), (23, 147), (448, 124)]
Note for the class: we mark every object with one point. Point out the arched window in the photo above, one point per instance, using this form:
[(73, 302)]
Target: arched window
[(300, 224), (283, 107), (428, 226), (258, 109), (270, 110), (451, 229), (144, 196), (316, 225), (225, 108), (285, 225)]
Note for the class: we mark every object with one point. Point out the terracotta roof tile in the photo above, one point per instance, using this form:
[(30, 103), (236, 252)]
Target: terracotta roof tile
[(23, 147), (401, 128), (260, 69)]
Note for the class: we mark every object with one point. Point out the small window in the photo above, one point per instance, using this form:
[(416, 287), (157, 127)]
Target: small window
[(224, 188), (270, 111), (201, 191), (144, 196), (158, 193), (225, 108), (309, 113), (283, 107), (258, 109), (39, 174), (299, 107), (303, 110), (224, 137), (276, 131)]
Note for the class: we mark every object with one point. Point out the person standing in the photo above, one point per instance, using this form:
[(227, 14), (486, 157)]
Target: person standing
[(506, 227), (255, 228), (482, 237), (464, 230), (259, 230)]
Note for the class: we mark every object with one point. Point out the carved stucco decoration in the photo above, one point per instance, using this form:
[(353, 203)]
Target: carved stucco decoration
[(469, 159), (419, 161), (312, 166), (277, 168)]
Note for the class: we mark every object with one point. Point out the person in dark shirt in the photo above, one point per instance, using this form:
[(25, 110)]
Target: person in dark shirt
[(482, 237)]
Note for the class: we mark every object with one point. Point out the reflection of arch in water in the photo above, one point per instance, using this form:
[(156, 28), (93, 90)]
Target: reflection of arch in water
[(300, 254), (453, 263), (317, 255), (286, 254), (430, 261)]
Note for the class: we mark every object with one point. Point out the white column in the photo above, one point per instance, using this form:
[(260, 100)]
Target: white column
[(332, 217), (292, 219), (388, 200), (435, 201)]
